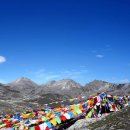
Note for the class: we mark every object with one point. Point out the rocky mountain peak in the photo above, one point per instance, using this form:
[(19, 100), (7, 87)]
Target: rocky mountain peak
[(63, 84), (49, 83), (97, 85), (68, 83), (22, 79), (98, 81), (23, 84)]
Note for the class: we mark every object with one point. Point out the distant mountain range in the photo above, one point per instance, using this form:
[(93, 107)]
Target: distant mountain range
[(24, 91), (66, 87)]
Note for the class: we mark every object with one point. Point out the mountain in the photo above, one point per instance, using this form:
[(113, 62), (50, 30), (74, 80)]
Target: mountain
[(103, 86), (23, 91), (24, 85), (120, 89), (64, 87), (65, 84), (67, 87), (7, 95), (6, 92), (97, 86)]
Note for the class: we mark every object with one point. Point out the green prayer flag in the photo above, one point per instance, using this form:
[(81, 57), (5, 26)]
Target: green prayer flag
[(58, 120), (32, 128), (30, 114), (92, 110), (78, 111), (90, 114), (105, 100)]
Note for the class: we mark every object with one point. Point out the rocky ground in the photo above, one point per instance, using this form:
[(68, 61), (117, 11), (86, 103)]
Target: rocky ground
[(114, 121)]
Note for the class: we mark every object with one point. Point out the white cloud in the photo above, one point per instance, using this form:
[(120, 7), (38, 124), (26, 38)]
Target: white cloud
[(99, 56), (2, 59), (104, 49), (43, 75), (125, 80)]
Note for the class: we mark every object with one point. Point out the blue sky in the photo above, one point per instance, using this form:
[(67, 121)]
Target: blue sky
[(58, 39)]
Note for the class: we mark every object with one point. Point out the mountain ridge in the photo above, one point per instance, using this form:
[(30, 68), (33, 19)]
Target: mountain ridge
[(67, 87), (64, 85), (24, 91)]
